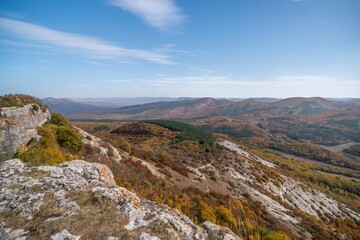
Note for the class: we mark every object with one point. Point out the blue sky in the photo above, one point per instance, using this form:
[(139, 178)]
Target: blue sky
[(136, 48)]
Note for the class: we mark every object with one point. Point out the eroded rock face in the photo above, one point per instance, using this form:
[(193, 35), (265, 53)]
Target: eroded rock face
[(216, 232), (18, 126), (54, 197), (64, 235), (97, 143)]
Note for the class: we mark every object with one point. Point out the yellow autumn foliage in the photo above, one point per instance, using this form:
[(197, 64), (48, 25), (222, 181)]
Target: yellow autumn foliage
[(44, 151)]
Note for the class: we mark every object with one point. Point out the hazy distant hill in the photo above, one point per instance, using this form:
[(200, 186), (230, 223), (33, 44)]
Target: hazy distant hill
[(209, 107), (176, 109), (71, 106), (67, 106), (289, 106), (188, 108), (123, 101), (261, 99)]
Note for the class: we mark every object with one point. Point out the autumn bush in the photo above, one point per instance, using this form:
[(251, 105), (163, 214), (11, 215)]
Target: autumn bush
[(69, 138), (57, 143), (58, 120), (123, 144), (272, 235), (206, 213), (44, 151)]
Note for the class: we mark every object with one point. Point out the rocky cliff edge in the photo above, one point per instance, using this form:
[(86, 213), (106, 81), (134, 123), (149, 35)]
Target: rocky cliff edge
[(18, 125)]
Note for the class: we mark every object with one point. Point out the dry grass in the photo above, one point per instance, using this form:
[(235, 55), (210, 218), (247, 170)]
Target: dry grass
[(37, 174)]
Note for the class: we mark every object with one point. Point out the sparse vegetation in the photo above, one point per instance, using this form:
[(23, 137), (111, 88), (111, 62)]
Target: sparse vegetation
[(19, 100)]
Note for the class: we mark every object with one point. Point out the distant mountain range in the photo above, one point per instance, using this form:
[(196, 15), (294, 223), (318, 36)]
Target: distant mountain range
[(122, 102), (68, 107), (183, 108), (208, 107)]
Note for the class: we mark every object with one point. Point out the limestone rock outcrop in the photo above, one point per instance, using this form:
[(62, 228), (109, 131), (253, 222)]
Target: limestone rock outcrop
[(216, 232), (58, 202), (18, 125)]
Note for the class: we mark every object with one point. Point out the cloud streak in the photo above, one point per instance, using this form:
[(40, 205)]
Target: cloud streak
[(161, 14), (302, 78), (244, 86), (89, 46)]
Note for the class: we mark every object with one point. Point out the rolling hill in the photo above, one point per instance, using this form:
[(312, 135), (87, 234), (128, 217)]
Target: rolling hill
[(67, 106), (209, 107)]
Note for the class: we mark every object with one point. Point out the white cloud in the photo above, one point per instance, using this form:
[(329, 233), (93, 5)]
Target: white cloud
[(161, 14), (89, 46), (302, 78)]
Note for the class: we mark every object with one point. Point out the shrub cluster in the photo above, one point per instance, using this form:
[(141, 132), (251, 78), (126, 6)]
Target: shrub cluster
[(59, 120), (44, 151), (69, 138), (57, 143)]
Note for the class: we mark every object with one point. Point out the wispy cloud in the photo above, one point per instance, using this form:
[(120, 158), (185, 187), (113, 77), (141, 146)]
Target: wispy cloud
[(208, 80), (89, 46), (243, 86), (161, 14), (172, 48), (203, 70), (302, 78)]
